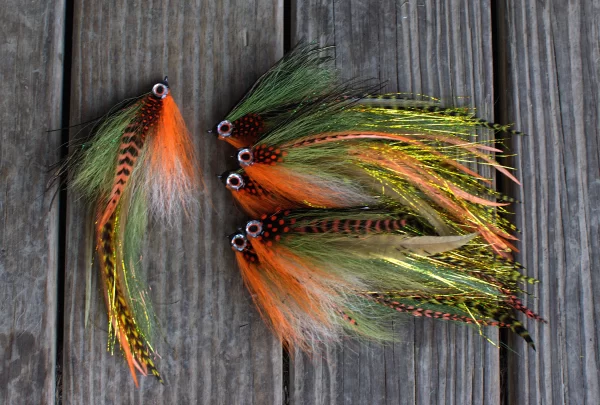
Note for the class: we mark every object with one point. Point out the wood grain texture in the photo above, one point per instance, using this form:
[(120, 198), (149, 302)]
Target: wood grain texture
[(441, 49), (31, 69), (552, 82), (214, 346)]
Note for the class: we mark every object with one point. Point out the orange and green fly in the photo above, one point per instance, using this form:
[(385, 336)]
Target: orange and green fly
[(139, 163), (318, 276)]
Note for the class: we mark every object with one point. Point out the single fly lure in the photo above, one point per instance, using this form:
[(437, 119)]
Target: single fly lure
[(306, 73), (305, 76), (320, 275), (138, 164)]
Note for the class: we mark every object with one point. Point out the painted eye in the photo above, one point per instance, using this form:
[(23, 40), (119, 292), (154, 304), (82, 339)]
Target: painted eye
[(254, 228), (239, 242), (160, 90), (235, 181), (225, 128), (245, 157)]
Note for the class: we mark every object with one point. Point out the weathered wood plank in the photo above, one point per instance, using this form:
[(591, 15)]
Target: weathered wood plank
[(425, 47), (552, 85), (31, 70), (215, 348)]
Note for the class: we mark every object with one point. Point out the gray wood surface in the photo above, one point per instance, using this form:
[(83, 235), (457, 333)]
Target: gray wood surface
[(552, 49), (214, 347), (440, 49), (31, 69)]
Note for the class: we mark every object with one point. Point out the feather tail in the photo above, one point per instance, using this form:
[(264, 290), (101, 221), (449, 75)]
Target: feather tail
[(398, 101), (468, 311), (121, 320), (306, 269)]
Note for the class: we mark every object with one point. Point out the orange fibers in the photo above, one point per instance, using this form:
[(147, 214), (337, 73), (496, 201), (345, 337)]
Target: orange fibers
[(172, 154), (119, 330), (264, 298), (287, 292), (407, 167), (299, 188), (128, 355), (237, 142), (413, 139), (257, 204)]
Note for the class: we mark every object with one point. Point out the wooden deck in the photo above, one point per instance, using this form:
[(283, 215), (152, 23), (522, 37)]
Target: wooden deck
[(534, 63)]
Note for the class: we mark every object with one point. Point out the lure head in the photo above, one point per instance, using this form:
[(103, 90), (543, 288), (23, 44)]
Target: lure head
[(241, 132), (224, 129), (233, 181), (161, 89), (245, 157), (254, 228), (238, 241)]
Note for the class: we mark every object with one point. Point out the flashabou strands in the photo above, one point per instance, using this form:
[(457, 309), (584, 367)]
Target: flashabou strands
[(340, 155), (139, 163), (320, 275), (369, 207)]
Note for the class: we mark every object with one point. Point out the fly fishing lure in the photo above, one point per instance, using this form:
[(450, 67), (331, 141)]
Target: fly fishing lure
[(319, 275), (341, 154), (431, 242), (306, 73), (138, 163)]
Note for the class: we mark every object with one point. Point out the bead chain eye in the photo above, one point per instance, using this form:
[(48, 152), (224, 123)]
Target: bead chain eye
[(235, 181), (225, 128), (254, 228), (160, 90), (239, 242), (245, 157)]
